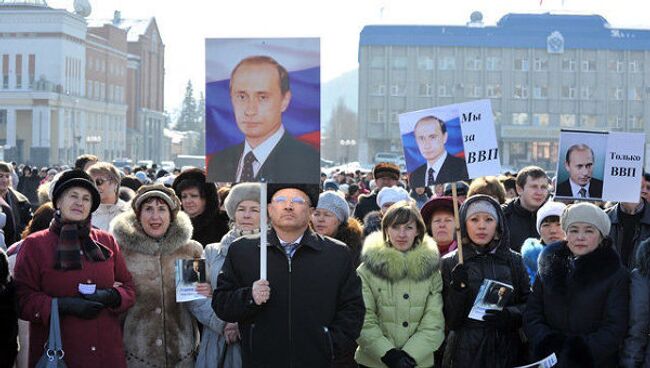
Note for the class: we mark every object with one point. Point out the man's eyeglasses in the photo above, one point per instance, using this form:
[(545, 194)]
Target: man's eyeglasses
[(294, 200)]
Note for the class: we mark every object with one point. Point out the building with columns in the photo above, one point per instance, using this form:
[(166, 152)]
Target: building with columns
[(71, 86), (542, 73)]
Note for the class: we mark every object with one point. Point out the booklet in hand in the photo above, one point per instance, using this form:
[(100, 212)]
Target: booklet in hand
[(491, 295), (189, 272)]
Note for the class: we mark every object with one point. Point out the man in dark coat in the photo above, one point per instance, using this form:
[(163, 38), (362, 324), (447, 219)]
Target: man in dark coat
[(521, 213), (260, 93), (310, 309), (21, 209), (630, 226), (386, 174), (440, 166)]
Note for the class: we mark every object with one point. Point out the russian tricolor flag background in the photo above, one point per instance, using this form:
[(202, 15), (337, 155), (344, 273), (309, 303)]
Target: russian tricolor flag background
[(301, 58)]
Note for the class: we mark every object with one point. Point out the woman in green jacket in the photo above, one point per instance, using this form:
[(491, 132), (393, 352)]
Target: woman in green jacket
[(402, 287)]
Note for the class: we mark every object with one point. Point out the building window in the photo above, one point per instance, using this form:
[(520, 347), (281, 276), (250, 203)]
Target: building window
[(614, 121), (586, 93), (19, 71), (444, 91), (425, 89), (400, 62), (493, 90), (617, 66), (397, 90), (588, 121), (89, 89), (616, 93), (425, 63), (568, 92), (541, 120), (568, 65), (473, 90), (588, 65), (394, 116), (493, 63), (473, 63), (540, 65), (567, 120), (634, 94), (31, 69), (540, 92), (377, 116), (497, 117), (521, 91), (377, 62), (520, 118), (447, 63), (636, 66), (378, 90), (521, 64), (636, 122), (5, 71)]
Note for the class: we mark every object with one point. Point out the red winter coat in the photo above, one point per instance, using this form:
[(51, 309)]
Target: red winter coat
[(87, 343)]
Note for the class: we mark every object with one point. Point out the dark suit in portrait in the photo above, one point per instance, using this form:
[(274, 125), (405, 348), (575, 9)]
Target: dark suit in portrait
[(290, 161), (453, 169), (595, 189)]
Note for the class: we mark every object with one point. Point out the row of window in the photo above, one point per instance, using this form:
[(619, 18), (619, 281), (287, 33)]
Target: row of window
[(17, 68), (100, 65), (520, 91), (537, 119), (99, 91), (494, 63)]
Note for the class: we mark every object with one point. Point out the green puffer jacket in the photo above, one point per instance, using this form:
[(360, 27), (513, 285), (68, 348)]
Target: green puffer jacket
[(402, 294)]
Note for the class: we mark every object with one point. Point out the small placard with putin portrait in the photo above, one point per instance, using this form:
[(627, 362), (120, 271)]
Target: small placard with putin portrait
[(263, 110), (450, 143), (600, 166)]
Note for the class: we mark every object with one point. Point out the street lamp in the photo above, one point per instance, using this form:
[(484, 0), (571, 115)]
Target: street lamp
[(348, 143)]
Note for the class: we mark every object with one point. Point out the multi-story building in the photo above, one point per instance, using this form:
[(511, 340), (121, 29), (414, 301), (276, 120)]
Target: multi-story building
[(145, 88), (542, 72), (71, 86)]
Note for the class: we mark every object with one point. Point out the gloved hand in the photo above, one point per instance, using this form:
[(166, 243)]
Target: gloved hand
[(109, 297), (459, 277), (398, 359), (501, 319), (79, 307)]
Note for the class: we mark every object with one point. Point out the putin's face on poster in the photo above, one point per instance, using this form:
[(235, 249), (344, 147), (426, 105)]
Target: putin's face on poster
[(430, 138), (579, 165), (258, 100)]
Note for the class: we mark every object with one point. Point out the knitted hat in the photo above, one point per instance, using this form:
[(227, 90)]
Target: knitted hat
[(330, 184), (73, 178), (461, 188), (310, 190), (588, 213), (239, 193), (160, 191), (392, 195), (481, 207), (336, 204), (549, 208), (386, 170)]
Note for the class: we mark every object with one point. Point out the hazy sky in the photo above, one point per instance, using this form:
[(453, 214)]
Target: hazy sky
[(185, 24)]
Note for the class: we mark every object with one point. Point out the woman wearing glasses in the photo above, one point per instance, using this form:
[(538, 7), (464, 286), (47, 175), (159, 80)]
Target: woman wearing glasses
[(107, 179)]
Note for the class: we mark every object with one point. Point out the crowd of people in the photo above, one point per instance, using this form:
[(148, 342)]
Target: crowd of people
[(363, 270)]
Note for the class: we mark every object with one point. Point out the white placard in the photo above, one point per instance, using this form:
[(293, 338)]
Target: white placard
[(600, 166), (623, 167), (457, 142)]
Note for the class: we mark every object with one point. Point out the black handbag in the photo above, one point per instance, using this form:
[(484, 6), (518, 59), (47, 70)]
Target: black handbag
[(53, 355)]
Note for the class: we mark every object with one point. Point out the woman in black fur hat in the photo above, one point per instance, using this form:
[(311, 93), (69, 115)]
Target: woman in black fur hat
[(200, 202)]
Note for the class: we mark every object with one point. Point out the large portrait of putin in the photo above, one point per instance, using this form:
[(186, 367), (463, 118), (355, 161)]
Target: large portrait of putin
[(266, 125), (581, 165)]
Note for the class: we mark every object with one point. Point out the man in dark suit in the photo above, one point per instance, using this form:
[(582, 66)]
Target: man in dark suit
[(441, 167), (579, 162), (260, 93)]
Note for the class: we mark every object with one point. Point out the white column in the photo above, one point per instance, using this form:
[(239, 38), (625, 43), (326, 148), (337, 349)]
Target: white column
[(41, 126), (11, 127), (61, 128)]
